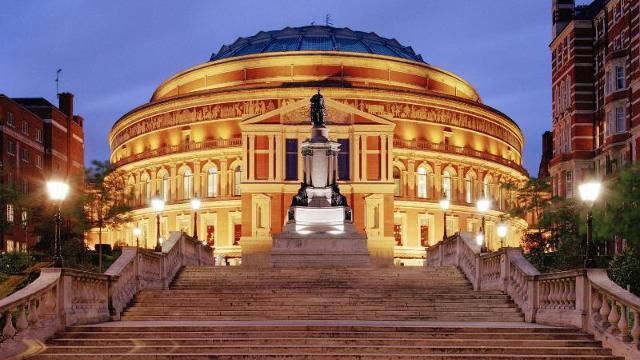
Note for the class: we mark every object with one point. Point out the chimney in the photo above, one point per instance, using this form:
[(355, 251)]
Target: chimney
[(65, 103), (562, 11)]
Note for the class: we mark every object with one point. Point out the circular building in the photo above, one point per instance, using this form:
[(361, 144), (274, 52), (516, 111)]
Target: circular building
[(229, 132)]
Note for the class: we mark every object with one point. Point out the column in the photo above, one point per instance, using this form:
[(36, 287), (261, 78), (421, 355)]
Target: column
[(390, 157), (356, 157), (363, 156), (411, 177), (245, 157), (383, 157), (272, 156), (279, 156), (437, 179), (252, 151), (138, 190), (155, 184), (300, 160), (461, 183), (223, 177), (173, 182), (196, 179)]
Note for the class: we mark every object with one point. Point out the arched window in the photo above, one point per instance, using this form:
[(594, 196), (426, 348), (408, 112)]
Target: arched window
[(237, 175), (187, 184), (422, 182), (446, 184), (468, 188), (212, 182), (165, 188), (486, 187), (397, 181)]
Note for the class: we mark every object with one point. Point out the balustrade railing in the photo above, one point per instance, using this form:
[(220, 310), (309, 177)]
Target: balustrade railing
[(64, 297), (584, 298)]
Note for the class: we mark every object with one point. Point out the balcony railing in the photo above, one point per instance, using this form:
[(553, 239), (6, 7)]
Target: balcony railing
[(451, 149), (173, 149)]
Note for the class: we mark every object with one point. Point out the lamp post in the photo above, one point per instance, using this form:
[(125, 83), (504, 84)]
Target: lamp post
[(158, 205), (589, 192), (444, 205), (57, 192), (195, 205), (136, 233), (502, 232), (483, 206)]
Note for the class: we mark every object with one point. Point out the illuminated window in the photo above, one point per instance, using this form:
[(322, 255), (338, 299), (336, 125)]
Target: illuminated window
[(212, 182), (486, 187), (397, 181), (237, 233), (165, 188), (187, 184), (10, 214), (397, 234), (146, 186), (422, 182), (446, 184)]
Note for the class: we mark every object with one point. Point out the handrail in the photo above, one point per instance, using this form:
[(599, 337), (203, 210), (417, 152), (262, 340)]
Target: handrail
[(64, 297), (582, 298)]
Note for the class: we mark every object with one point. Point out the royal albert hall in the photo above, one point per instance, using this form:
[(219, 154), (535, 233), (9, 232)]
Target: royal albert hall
[(229, 131)]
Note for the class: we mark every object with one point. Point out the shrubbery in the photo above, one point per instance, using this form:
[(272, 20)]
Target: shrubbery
[(14, 262), (624, 269)]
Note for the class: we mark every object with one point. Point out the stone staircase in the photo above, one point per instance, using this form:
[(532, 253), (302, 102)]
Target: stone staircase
[(236, 313)]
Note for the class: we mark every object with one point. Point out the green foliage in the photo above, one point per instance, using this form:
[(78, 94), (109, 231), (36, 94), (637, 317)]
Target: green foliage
[(14, 262), (624, 269), (619, 213)]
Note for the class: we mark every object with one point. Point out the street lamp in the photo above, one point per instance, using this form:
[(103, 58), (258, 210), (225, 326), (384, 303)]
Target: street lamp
[(195, 205), (444, 205), (502, 232), (58, 191), (483, 206), (158, 205), (589, 192), (136, 233)]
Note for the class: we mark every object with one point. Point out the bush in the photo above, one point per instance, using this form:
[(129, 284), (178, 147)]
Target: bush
[(624, 269), (14, 262)]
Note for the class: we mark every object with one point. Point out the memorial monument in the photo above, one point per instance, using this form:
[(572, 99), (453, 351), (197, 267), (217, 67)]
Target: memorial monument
[(319, 231)]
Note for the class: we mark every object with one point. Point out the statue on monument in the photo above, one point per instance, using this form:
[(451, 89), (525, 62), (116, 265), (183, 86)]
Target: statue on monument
[(317, 110)]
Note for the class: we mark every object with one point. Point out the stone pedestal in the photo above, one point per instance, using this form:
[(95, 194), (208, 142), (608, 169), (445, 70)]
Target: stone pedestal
[(293, 248)]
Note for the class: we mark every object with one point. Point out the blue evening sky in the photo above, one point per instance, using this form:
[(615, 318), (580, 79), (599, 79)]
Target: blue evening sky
[(114, 53)]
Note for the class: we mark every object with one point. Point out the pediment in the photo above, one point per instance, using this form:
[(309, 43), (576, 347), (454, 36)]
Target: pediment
[(296, 112)]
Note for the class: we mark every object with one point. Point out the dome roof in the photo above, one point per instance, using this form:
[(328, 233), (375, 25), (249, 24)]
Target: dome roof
[(316, 38)]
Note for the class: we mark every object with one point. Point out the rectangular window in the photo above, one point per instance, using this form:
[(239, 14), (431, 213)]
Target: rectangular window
[(24, 155), (619, 77), (39, 135), (397, 234), (607, 81), (619, 119), (11, 147), (291, 159), (237, 233), (211, 231), (10, 214), (343, 160), (424, 235), (569, 183), (10, 120), (25, 127), (39, 161)]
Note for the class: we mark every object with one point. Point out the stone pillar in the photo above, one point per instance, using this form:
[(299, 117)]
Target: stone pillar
[(437, 179), (272, 156), (155, 182), (252, 152), (138, 190), (196, 179), (411, 170), (223, 177), (173, 180), (363, 156), (356, 157), (461, 183), (279, 156), (390, 157), (245, 157), (383, 157)]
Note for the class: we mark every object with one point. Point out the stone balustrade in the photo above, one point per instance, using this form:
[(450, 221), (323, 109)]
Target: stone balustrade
[(63, 297), (583, 298)]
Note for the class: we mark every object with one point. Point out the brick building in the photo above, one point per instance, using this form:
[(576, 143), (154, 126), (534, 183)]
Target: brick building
[(38, 141), (594, 90)]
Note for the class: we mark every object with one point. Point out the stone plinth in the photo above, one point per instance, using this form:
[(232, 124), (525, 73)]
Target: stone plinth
[(320, 249)]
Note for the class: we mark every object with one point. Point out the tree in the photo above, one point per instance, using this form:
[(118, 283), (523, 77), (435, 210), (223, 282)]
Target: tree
[(106, 203)]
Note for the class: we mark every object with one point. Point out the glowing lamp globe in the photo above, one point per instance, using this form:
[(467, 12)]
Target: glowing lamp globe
[(444, 204), (483, 205), (502, 230), (157, 204), (57, 190), (480, 239), (137, 231), (589, 191), (195, 203)]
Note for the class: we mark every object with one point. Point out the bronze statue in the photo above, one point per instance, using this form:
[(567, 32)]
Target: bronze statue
[(317, 110), (300, 199)]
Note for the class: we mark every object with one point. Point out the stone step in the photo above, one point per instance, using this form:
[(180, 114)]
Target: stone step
[(443, 317), (325, 356)]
